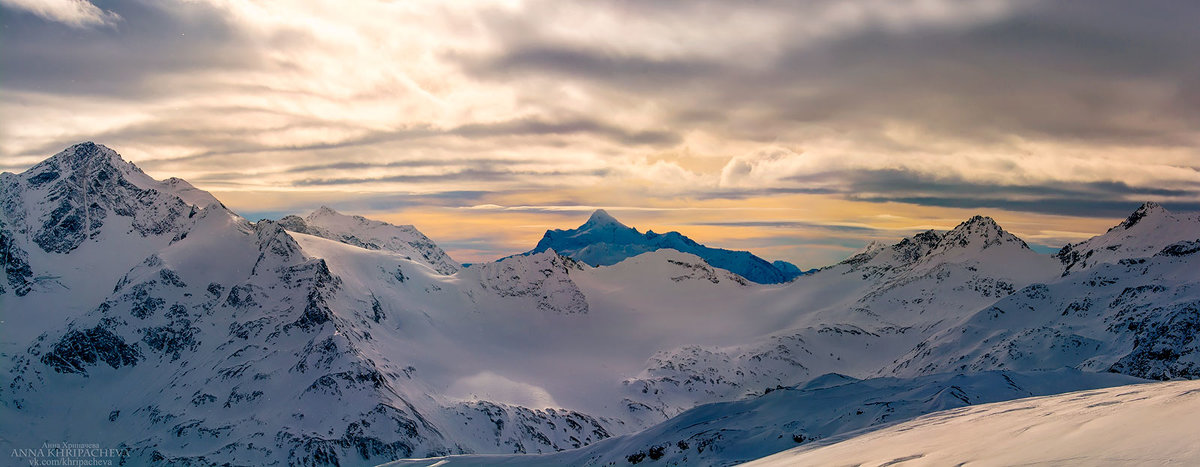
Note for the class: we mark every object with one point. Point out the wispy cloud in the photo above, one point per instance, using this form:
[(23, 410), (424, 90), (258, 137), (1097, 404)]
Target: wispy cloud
[(74, 13), (788, 118)]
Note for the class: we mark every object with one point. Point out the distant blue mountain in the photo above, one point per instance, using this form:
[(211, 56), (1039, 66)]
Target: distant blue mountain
[(604, 241), (790, 270)]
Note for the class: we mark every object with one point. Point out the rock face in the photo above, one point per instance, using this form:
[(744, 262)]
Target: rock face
[(66, 200), (18, 275), (604, 241), (75, 222)]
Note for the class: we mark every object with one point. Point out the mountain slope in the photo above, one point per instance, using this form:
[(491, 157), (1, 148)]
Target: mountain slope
[(603, 241), (1145, 424)]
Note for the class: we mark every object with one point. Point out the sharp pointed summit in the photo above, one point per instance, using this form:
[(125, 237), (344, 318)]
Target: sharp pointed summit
[(323, 211), (83, 153), (602, 218), (1147, 209), (980, 231), (88, 162), (1146, 231)]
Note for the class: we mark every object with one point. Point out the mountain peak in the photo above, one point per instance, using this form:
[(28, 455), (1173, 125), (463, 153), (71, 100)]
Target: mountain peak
[(85, 154), (979, 230), (981, 220), (1147, 209), (601, 218), (324, 211)]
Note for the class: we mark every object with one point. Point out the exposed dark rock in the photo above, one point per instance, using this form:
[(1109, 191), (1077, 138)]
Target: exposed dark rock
[(80, 349), (16, 267), (1181, 248)]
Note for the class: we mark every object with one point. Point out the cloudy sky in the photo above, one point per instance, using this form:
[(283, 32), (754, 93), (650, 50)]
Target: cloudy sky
[(798, 130)]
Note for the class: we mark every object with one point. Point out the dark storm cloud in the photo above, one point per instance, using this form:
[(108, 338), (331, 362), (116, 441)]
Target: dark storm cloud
[(1103, 72), (485, 174), (406, 163), (380, 202), (536, 127), (594, 65), (907, 182), (227, 141), (1066, 206), (150, 40), (1090, 199)]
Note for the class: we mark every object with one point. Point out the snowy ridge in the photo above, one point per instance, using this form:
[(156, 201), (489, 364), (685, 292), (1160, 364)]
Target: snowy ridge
[(1145, 232), (543, 278), (604, 241), (359, 231)]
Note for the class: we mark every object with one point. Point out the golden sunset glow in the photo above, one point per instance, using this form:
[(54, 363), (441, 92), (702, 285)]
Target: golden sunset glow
[(796, 131)]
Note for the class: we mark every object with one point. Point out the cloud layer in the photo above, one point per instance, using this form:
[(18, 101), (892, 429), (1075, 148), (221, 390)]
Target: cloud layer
[(1058, 116)]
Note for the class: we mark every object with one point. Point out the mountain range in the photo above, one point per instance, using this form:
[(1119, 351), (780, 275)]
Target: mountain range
[(156, 320)]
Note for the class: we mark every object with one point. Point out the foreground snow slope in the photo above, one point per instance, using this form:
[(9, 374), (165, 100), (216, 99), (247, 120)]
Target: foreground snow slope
[(1145, 424), (830, 406)]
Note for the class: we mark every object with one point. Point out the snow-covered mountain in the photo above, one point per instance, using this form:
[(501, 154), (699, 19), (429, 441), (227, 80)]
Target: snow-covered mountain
[(227, 341), (1147, 231), (854, 317), (372, 235), (604, 241), (214, 339), (1125, 303), (157, 320), (72, 225)]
